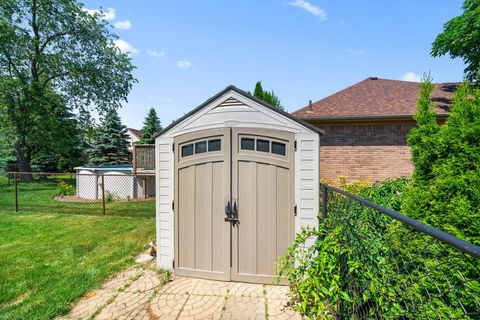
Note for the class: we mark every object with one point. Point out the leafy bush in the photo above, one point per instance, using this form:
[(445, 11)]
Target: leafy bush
[(65, 189), (109, 197), (388, 193), (345, 271), (361, 264)]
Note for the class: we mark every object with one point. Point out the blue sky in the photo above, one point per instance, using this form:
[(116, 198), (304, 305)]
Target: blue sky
[(186, 51)]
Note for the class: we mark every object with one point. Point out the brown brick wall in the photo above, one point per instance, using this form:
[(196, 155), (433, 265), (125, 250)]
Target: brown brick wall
[(365, 150)]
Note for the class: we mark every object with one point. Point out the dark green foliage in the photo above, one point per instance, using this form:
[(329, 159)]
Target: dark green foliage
[(268, 96), (461, 39), (57, 147), (446, 194), (362, 264), (109, 143), (344, 274), (388, 194), (54, 58), (8, 160), (420, 138), (151, 126)]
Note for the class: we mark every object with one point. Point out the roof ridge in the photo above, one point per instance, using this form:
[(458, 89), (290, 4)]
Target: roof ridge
[(333, 94)]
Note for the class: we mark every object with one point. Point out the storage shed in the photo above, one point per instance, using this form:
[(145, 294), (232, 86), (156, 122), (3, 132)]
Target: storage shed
[(236, 180)]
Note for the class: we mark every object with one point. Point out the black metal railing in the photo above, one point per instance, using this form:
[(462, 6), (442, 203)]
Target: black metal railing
[(74, 193), (394, 267)]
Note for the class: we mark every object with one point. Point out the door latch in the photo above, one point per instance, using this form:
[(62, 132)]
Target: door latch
[(231, 212)]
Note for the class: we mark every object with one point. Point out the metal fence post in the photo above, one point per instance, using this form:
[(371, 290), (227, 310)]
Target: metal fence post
[(145, 188), (103, 194), (15, 188), (324, 202)]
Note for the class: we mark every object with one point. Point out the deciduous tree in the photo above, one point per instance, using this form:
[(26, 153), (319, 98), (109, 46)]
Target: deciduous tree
[(50, 51), (461, 39)]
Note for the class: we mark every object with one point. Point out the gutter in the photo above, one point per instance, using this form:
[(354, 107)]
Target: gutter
[(365, 118)]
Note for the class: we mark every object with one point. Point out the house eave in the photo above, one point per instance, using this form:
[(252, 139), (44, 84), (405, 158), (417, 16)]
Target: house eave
[(400, 117)]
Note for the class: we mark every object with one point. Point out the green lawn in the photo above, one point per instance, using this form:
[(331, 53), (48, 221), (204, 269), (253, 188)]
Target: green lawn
[(48, 261), (38, 197)]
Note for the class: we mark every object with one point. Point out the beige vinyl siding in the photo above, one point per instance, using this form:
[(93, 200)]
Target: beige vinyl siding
[(164, 184)]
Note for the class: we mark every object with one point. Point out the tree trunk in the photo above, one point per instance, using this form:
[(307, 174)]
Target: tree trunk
[(22, 162)]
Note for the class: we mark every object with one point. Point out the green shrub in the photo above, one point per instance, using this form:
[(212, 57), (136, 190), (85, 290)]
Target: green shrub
[(109, 197), (445, 192), (389, 193), (362, 264), (344, 273), (65, 189)]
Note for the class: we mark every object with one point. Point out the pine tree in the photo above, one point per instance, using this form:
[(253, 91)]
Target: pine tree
[(268, 96), (109, 143), (258, 91), (151, 126)]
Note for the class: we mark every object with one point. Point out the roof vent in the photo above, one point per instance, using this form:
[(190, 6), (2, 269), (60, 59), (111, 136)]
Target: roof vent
[(373, 78), (310, 105)]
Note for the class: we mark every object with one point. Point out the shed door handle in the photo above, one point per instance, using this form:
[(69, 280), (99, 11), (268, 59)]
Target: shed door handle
[(228, 211), (235, 210)]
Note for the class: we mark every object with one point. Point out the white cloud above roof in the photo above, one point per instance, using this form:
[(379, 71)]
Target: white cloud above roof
[(412, 76), (108, 14), (123, 25), (311, 8)]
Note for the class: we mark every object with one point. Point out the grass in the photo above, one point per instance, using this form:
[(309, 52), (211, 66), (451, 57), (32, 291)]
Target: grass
[(38, 197), (48, 261)]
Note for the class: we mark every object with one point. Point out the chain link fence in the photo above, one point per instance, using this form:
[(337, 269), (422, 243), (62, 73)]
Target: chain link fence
[(394, 267), (73, 193)]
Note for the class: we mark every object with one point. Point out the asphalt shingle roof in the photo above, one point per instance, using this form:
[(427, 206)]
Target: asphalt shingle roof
[(374, 97)]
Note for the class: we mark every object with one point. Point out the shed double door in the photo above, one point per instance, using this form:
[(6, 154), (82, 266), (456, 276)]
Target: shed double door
[(234, 207)]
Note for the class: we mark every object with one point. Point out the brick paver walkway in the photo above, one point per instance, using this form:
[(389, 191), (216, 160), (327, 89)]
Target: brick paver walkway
[(138, 293)]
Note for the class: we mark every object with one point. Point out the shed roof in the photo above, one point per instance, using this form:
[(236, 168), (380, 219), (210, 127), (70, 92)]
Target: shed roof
[(374, 97), (249, 96)]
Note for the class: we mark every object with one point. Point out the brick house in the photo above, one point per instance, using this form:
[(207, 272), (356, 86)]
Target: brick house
[(366, 127)]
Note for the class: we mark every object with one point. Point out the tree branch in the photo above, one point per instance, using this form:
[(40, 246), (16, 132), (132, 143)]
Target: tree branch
[(17, 72), (52, 77), (36, 41), (52, 37)]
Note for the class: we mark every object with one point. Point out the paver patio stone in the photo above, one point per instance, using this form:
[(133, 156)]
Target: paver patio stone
[(137, 294)]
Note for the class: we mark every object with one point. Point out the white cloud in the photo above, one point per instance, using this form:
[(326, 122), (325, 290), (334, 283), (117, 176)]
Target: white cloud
[(125, 47), (155, 54), (412, 76), (123, 25), (108, 14), (313, 9), (356, 51), (182, 64)]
